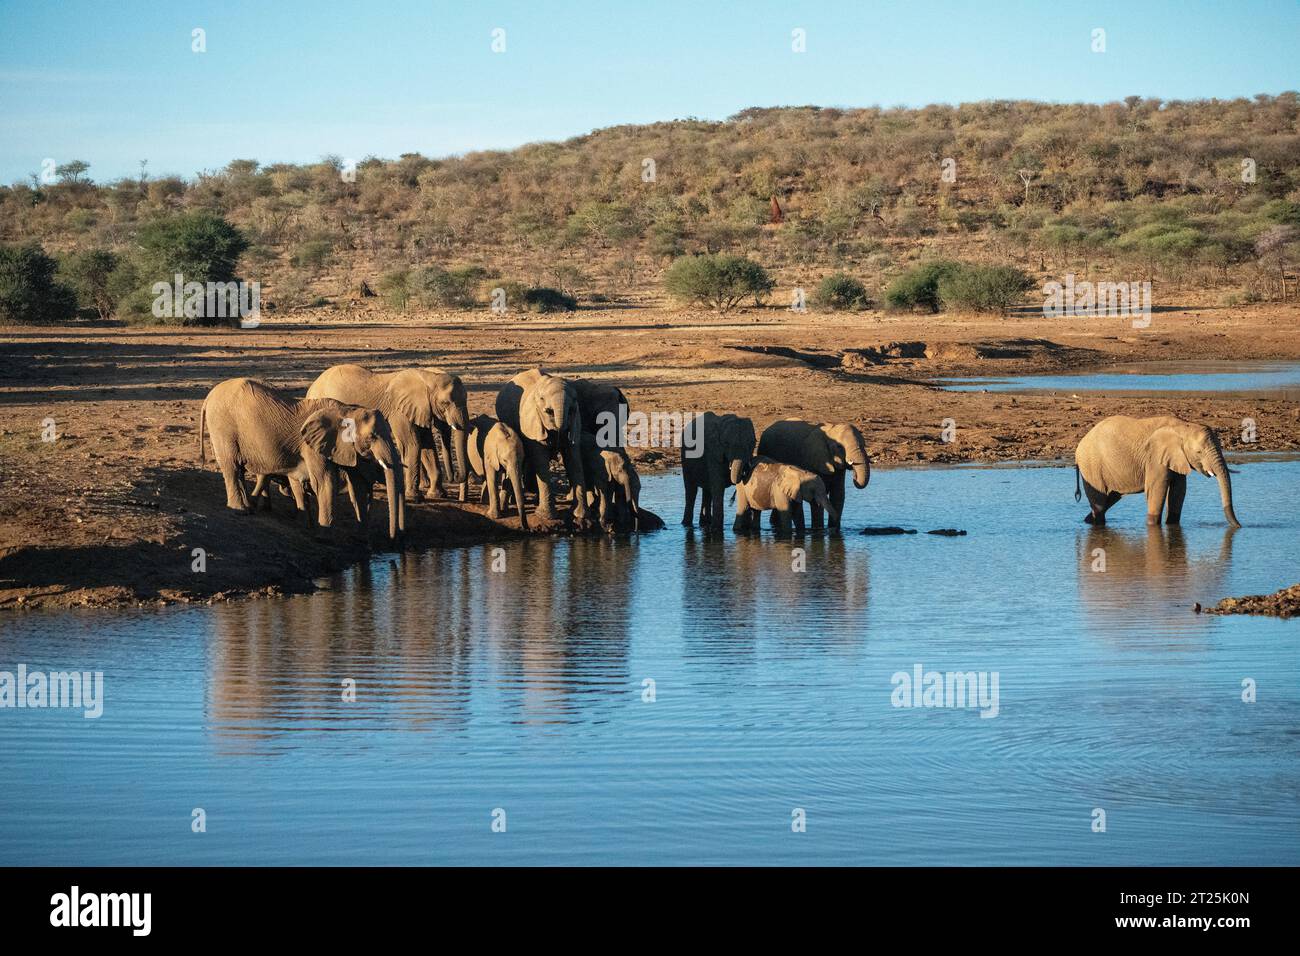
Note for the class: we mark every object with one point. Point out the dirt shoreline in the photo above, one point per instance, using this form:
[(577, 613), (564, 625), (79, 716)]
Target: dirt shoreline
[(110, 513)]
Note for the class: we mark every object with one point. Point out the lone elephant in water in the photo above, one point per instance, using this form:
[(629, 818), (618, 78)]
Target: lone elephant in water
[(255, 428), (1122, 456), (416, 402), (768, 485), (829, 450), (543, 409), (715, 450)]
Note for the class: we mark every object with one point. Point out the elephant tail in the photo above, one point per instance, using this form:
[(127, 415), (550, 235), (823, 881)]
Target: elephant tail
[(1077, 492), (203, 411)]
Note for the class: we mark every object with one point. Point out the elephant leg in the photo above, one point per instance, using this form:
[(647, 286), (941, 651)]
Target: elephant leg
[(836, 494), (743, 512), (539, 462), (429, 469), (1100, 502), (691, 489), (816, 514), (236, 494), (494, 493), (517, 492), (796, 512), (716, 504), (782, 521), (577, 481), (1157, 489), (260, 496), (1174, 503)]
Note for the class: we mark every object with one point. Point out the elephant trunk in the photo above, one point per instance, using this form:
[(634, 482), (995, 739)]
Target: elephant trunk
[(445, 471), (1220, 469), (825, 503), (862, 474), (738, 470), (385, 454), (459, 442)]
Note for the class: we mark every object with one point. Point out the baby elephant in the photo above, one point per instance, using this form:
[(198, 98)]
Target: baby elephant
[(496, 453), (612, 484), (1122, 456), (769, 485)]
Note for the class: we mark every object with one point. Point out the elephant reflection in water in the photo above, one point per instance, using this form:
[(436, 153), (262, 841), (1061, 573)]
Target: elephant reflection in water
[(1118, 569), (277, 666), (756, 586), (557, 622)]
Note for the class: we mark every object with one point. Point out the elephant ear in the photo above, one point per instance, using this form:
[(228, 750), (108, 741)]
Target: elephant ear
[(323, 431), (791, 483), (835, 457), (739, 438), (408, 393), (530, 413), (1168, 449)]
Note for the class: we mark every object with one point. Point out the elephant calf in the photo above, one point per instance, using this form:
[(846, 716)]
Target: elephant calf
[(1122, 456), (830, 450), (612, 483), (769, 485), (255, 428), (496, 454)]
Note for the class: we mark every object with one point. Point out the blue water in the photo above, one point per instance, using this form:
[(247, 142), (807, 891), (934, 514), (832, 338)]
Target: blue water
[(1277, 379), (523, 690)]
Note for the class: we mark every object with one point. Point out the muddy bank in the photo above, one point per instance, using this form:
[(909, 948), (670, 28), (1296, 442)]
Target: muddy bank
[(1284, 603), (111, 511)]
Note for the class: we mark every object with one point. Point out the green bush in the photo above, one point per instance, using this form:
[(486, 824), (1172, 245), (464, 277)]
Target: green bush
[(312, 254), (29, 293), (719, 281), (984, 288), (542, 299), (447, 288), (918, 287), (394, 288), (198, 245), (841, 291), (90, 275)]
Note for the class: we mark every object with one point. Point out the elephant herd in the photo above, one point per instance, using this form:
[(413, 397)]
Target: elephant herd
[(360, 428)]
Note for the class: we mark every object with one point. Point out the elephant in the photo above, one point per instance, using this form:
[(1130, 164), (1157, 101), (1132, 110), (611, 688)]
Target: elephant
[(725, 445), (1122, 456), (543, 409), (826, 449), (256, 428), (613, 484), (496, 454), (602, 406), (416, 402), (768, 485)]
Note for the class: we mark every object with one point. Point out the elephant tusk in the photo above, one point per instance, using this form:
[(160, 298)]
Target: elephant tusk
[(382, 465)]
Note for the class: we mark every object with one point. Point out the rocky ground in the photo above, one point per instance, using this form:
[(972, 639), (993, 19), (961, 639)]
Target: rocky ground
[(111, 511)]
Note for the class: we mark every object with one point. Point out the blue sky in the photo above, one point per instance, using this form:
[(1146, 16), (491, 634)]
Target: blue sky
[(116, 82)]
